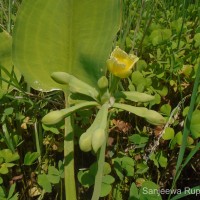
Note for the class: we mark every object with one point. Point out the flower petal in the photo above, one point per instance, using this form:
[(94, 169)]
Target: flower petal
[(120, 63)]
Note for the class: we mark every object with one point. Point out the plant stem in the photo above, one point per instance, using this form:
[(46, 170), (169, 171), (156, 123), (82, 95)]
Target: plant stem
[(99, 175), (9, 16), (70, 186), (183, 22), (101, 161), (37, 141), (114, 83)]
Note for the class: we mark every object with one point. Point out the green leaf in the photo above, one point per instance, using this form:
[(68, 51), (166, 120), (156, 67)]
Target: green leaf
[(127, 164), (118, 169), (133, 195), (138, 79), (195, 124), (157, 100), (190, 141), (172, 143), (106, 168), (124, 164), (53, 175), (105, 189), (160, 75), (187, 70), (52, 170), (75, 98), (11, 191), (129, 170), (135, 96), (74, 84), (3, 169), (52, 129), (9, 164), (197, 39), (141, 64), (53, 178), (57, 115), (117, 193), (8, 155), (8, 111), (44, 182), (86, 178), (149, 190), (61, 168), (93, 168), (168, 134), (142, 168), (127, 161), (68, 36), (178, 138), (176, 24), (151, 116), (30, 158), (2, 193), (153, 157), (14, 197), (138, 139), (108, 179), (185, 111), (162, 160), (163, 91), (166, 109), (160, 35)]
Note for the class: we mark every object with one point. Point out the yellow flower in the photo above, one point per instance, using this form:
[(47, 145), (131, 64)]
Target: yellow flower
[(120, 63)]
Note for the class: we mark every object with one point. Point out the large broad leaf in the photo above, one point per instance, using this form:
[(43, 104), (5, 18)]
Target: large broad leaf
[(6, 66), (74, 36)]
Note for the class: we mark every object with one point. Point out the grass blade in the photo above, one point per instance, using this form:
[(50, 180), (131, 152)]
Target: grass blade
[(186, 130)]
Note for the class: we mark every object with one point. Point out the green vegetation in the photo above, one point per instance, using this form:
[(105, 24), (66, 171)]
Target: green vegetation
[(99, 99)]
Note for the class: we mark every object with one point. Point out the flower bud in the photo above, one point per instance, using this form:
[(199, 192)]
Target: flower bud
[(98, 138), (102, 82), (85, 141), (53, 117)]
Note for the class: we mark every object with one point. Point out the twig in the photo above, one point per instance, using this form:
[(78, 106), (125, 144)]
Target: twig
[(174, 114)]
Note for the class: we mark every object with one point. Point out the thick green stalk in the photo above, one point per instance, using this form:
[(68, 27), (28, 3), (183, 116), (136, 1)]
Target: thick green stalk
[(70, 185), (99, 175), (101, 161), (114, 84)]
